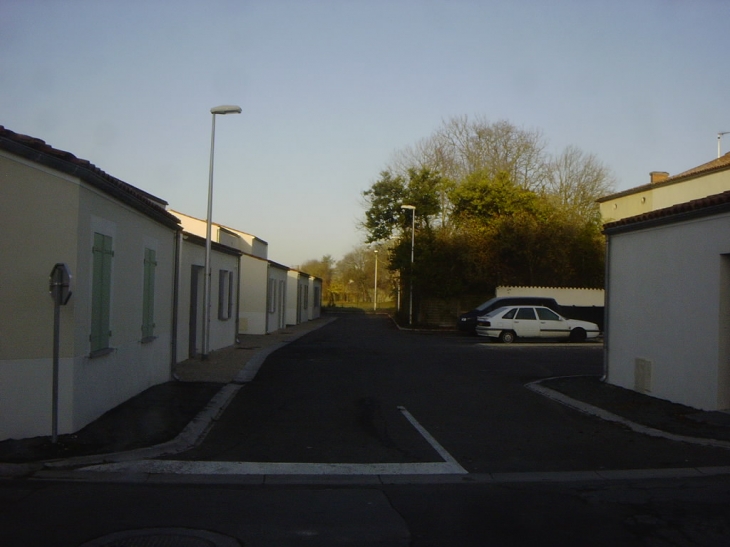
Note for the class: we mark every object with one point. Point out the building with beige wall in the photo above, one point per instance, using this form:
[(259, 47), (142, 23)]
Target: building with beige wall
[(664, 191)]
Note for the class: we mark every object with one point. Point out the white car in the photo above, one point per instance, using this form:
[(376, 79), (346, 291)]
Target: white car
[(511, 322)]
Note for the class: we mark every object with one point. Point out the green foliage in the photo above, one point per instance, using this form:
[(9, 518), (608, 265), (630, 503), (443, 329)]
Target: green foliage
[(492, 208), (422, 189)]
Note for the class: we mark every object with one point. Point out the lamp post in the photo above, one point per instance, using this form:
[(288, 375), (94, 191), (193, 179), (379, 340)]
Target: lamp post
[(375, 288), (719, 138), (413, 240), (224, 109)]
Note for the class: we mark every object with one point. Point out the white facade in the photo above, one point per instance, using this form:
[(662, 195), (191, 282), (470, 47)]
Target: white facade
[(52, 208), (668, 305), (297, 297), (224, 267), (276, 299), (254, 276), (231, 237), (563, 296)]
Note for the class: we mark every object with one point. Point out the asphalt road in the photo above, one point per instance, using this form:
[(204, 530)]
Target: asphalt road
[(359, 392), (343, 394)]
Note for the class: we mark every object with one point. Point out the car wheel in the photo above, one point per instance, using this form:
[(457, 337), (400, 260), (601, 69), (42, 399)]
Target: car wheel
[(578, 335), (507, 336)]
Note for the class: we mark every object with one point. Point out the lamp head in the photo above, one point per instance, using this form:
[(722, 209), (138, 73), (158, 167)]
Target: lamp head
[(226, 109)]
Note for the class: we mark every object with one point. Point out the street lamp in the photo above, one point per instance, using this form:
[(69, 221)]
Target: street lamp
[(413, 232), (375, 288), (719, 138), (223, 109)]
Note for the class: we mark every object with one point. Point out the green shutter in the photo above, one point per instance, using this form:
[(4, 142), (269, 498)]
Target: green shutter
[(101, 292), (148, 295)]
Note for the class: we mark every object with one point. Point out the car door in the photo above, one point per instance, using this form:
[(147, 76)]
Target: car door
[(525, 323), (551, 324)]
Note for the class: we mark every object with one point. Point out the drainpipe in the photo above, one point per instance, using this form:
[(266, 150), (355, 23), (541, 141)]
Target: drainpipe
[(238, 299), (606, 327), (176, 296)]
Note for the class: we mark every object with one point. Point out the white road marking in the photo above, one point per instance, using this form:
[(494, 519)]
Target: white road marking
[(178, 467)]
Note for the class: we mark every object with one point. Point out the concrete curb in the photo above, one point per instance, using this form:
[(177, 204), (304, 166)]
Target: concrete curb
[(610, 417)]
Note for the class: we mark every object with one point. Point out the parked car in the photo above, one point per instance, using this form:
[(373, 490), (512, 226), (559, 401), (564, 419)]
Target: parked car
[(511, 322), (468, 321)]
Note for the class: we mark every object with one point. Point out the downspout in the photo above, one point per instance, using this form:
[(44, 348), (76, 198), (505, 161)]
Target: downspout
[(176, 296), (606, 327), (238, 299)]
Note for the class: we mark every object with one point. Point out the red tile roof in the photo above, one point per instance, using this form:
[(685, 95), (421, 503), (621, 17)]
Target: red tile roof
[(38, 151)]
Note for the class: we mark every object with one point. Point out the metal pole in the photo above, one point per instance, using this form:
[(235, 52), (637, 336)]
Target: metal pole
[(719, 138), (206, 280), (56, 354), (413, 240), (375, 289)]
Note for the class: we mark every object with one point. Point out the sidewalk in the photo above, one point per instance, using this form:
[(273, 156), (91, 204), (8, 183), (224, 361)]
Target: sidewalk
[(167, 416)]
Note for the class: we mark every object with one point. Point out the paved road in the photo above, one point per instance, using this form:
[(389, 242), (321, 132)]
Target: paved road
[(363, 394), (346, 393)]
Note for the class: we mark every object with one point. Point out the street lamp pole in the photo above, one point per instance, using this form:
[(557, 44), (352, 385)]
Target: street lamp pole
[(719, 138), (413, 240), (224, 109), (375, 288)]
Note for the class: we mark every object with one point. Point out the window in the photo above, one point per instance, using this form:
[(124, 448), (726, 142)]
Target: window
[(225, 294), (317, 297), (148, 295), (101, 292), (525, 313), (547, 315), (510, 314), (306, 296)]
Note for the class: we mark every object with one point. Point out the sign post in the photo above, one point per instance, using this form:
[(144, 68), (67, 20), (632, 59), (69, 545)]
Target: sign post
[(60, 289)]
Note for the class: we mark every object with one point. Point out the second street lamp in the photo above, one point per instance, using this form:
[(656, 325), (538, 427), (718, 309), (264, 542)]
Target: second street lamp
[(224, 109), (413, 240)]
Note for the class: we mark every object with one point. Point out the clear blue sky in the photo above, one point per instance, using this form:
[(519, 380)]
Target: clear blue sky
[(331, 89)]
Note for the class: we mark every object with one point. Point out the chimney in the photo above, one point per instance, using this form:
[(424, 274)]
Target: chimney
[(658, 176)]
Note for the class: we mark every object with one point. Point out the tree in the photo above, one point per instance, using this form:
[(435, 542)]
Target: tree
[(421, 189), (461, 147), (323, 268), (576, 180)]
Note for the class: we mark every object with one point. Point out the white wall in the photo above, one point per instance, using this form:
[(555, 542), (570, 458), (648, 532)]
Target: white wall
[(50, 217), (222, 331), (563, 296), (665, 300), (254, 280), (276, 301)]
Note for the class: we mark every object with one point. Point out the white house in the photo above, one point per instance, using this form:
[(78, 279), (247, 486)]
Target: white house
[(297, 297), (253, 278), (276, 299), (668, 303), (116, 331), (224, 290)]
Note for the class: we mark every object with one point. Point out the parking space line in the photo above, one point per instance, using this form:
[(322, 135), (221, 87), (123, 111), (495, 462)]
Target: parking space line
[(433, 442)]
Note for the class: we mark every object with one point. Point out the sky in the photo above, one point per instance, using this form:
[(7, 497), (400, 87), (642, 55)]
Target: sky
[(330, 90)]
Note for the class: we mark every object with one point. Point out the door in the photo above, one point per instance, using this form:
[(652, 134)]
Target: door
[(551, 324), (525, 323), (195, 323)]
